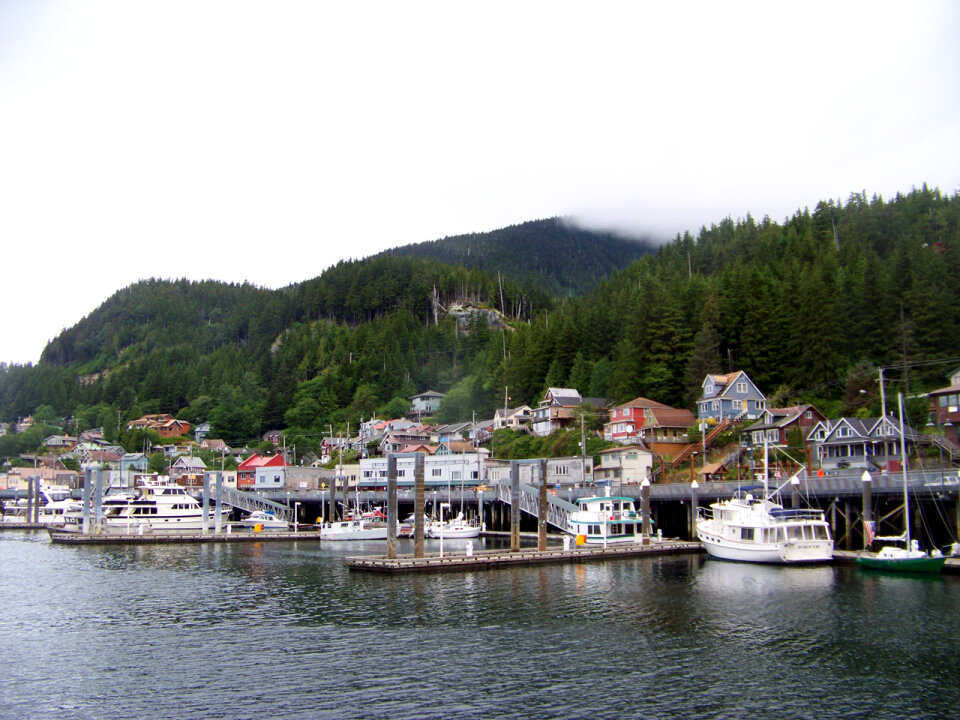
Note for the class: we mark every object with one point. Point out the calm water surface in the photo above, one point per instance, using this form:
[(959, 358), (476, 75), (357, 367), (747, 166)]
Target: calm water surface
[(283, 630)]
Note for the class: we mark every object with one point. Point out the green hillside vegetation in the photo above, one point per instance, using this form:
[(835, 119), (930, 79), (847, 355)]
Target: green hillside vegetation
[(556, 256), (808, 307)]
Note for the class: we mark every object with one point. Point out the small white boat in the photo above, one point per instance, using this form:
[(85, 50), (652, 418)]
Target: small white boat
[(260, 520), (455, 528), (354, 529), (606, 519)]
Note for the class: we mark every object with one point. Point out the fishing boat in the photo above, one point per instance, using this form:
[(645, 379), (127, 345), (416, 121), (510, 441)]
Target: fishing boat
[(909, 558), (260, 520), (606, 519), (750, 528)]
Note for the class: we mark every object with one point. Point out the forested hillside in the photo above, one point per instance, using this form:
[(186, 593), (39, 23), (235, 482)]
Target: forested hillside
[(808, 307), (558, 257)]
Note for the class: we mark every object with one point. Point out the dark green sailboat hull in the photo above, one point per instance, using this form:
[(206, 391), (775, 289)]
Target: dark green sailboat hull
[(911, 565)]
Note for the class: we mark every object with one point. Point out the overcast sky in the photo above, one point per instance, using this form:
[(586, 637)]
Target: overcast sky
[(265, 141)]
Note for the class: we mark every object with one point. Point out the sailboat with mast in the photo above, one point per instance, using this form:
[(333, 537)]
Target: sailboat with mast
[(909, 558), (457, 527)]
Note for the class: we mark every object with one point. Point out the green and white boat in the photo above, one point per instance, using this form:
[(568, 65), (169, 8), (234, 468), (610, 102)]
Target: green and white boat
[(910, 558)]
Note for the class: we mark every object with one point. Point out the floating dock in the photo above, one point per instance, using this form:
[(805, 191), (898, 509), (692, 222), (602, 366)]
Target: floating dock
[(166, 537), (497, 559)]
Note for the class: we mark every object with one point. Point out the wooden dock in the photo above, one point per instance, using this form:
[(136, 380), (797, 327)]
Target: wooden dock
[(497, 559), (164, 537), (10, 525)]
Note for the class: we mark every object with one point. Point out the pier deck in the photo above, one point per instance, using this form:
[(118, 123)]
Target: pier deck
[(494, 559), (71, 538)]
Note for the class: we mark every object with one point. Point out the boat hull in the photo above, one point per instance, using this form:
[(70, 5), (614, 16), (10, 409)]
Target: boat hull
[(907, 565), (807, 552), (455, 533), (353, 530)]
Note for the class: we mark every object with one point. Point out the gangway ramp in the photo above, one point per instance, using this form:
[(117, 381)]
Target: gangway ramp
[(251, 502), (558, 509)]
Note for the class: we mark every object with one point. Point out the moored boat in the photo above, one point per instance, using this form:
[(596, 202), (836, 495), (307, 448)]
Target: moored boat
[(911, 558), (454, 528), (260, 520), (750, 529), (606, 519), (354, 529)]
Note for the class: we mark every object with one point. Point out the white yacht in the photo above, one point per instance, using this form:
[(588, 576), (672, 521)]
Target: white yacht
[(159, 505), (54, 504), (757, 529), (604, 520)]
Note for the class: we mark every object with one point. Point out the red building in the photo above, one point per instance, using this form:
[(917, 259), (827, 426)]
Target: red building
[(247, 470), (626, 420)]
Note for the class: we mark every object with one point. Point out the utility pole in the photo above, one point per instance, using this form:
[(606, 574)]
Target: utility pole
[(583, 450)]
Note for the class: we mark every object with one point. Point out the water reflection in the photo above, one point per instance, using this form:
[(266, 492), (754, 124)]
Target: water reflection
[(284, 630)]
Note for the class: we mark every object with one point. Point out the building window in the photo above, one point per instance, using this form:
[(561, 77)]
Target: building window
[(436, 472), (738, 404), (715, 405), (742, 388)]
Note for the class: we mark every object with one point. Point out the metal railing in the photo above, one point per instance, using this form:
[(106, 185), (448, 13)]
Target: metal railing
[(558, 509)]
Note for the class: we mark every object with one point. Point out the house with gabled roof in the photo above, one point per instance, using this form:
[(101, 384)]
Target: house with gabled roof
[(733, 396), (871, 444), (627, 419), (559, 409), (426, 403), (187, 470), (247, 470), (775, 424), (453, 431), (512, 418)]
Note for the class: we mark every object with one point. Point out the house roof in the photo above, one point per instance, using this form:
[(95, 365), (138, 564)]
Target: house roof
[(640, 402), (427, 394), (510, 412), (712, 469), (192, 463), (562, 396), (781, 417), (669, 417), (459, 446), (255, 461), (952, 390), (419, 447)]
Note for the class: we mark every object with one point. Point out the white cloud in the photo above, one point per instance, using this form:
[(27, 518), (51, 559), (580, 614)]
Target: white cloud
[(265, 141)]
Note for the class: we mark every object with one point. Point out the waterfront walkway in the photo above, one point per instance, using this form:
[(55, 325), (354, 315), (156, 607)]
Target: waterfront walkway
[(496, 559)]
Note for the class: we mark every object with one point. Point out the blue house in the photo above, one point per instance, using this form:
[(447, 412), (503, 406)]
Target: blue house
[(730, 397)]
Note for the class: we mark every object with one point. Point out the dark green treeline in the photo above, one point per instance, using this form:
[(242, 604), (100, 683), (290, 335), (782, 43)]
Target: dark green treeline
[(808, 308)]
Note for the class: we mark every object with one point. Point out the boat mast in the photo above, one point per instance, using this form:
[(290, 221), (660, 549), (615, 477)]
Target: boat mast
[(766, 465), (903, 466)]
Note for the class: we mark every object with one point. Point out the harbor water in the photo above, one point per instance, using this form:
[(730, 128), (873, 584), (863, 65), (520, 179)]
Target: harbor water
[(284, 630)]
